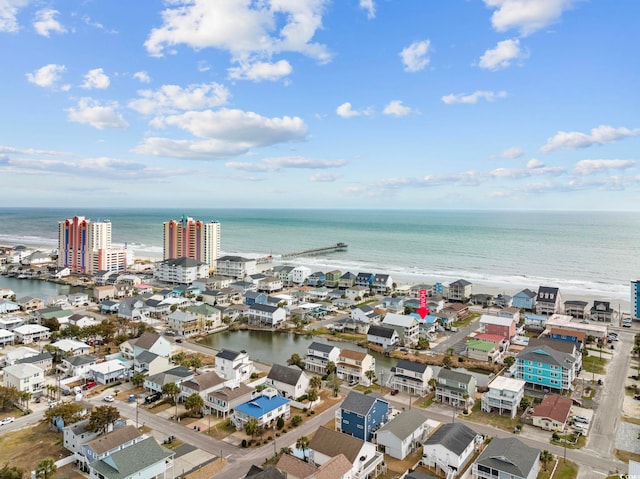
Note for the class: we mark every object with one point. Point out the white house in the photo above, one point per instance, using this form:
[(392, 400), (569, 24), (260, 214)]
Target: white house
[(235, 266), (381, 336), (108, 371), (24, 377), (352, 366), (77, 366), (31, 333), (6, 337), (233, 365), (504, 394), (299, 274), (151, 342), (180, 270), (403, 434), (507, 457), (266, 315), (319, 355), (407, 326), (411, 377), (143, 460), (450, 448), (289, 382), (71, 347), (366, 314)]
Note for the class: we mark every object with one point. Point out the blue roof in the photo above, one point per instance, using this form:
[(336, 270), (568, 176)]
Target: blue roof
[(535, 317), (262, 405), (429, 319)]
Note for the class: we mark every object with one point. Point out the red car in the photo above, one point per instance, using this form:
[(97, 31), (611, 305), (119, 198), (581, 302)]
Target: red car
[(89, 385), (394, 392)]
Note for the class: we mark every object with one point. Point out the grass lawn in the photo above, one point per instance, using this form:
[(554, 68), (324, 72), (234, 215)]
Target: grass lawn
[(626, 456), (493, 419), (160, 407), (632, 420), (582, 441), (221, 430), (593, 364), (466, 321), (565, 470), (25, 448)]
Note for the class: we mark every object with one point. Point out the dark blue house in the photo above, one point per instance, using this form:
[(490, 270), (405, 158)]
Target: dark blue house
[(316, 279), (253, 297), (362, 414), (365, 279)]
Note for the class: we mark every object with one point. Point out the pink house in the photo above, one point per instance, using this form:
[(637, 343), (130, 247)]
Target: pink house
[(505, 327)]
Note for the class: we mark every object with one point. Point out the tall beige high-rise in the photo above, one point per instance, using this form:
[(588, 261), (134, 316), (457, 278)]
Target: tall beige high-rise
[(195, 239)]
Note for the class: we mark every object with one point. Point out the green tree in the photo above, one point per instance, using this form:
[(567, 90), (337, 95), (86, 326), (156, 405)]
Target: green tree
[(295, 360), (46, 468), (331, 367), (171, 391), (433, 383), (194, 403), (25, 397), (545, 458), (69, 412), (446, 362), (102, 417), (315, 382), (195, 362), (508, 361), (302, 443), (371, 375), (251, 427), (296, 420), (334, 383), (179, 358), (52, 323), (137, 379), (11, 472), (423, 343), (312, 395), (8, 396), (525, 402)]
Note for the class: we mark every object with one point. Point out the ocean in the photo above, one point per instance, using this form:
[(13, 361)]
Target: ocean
[(586, 254)]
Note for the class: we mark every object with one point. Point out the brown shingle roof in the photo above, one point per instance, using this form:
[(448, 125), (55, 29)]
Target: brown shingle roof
[(335, 467), (295, 467), (555, 407), (204, 381), (580, 335), (350, 354), (146, 340), (115, 438), (332, 443)]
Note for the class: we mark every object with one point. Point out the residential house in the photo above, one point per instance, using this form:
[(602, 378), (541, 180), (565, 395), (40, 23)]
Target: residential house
[(6, 293), (43, 360), (499, 326), (210, 317), (6, 337), (105, 445), (577, 337), (202, 384), (460, 290), (382, 284), (143, 460), (347, 280), (525, 299), (71, 347), (427, 326), (292, 467), (27, 303), (407, 327), (410, 377), (553, 412), (299, 274), (503, 301), (602, 311), (393, 305), (382, 336), (284, 274), (455, 388), (509, 312), (177, 375), (78, 299), (535, 321), (480, 350), (15, 355), (361, 415), (356, 292), (234, 366), (76, 434), (267, 472), (545, 367), (507, 458), (352, 366), (82, 320), (332, 278), (180, 270), (24, 377), (402, 435), (270, 284), (76, 366), (184, 323), (31, 333), (365, 279), (450, 448), (224, 400), (266, 315), (133, 309), (11, 322), (548, 301), (454, 311), (482, 299), (289, 382), (150, 363), (7, 306), (316, 279), (109, 371), (254, 297), (576, 308), (151, 342), (366, 314), (504, 394), (108, 306), (266, 409), (319, 355), (363, 456)]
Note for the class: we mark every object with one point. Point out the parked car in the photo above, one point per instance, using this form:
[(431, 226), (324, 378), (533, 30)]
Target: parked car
[(178, 340), (151, 398), (581, 419), (7, 420), (109, 399), (579, 427), (89, 385), (636, 396), (394, 392)]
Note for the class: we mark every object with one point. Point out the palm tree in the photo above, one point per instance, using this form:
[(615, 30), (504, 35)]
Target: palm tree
[(312, 395), (315, 382), (46, 468), (303, 444), (371, 375), (251, 427), (433, 383), (545, 458), (295, 360), (331, 367)]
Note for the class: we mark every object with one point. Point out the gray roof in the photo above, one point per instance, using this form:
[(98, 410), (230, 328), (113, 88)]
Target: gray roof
[(45, 356), (411, 366), (547, 290), (170, 376), (547, 355), (183, 262), (81, 360), (404, 424), (146, 357), (576, 302), (509, 455), (285, 374), (453, 436), (449, 374), (147, 340), (322, 347), (228, 354), (267, 308), (460, 282), (117, 437), (381, 331), (527, 292), (256, 472), (360, 403), (132, 459)]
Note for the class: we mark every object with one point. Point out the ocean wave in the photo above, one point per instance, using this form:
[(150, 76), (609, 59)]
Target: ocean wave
[(13, 240)]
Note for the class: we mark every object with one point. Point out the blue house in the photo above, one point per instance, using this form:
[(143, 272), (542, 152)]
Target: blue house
[(109, 307), (546, 367), (316, 279), (365, 279), (525, 299), (254, 297), (362, 414)]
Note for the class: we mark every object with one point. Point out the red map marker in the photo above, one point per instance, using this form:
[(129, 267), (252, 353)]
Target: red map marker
[(423, 310)]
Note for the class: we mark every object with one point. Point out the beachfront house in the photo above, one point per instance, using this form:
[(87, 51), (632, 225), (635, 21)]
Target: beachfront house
[(548, 301), (577, 309), (332, 278), (450, 448), (316, 279), (365, 279), (235, 266), (352, 366), (504, 395), (347, 280), (525, 299), (319, 355), (460, 291), (507, 458), (410, 377), (544, 367), (270, 284), (535, 321), (299, 274), (360, 415), (383, 337), (407, 327), (455, 388), (382, 284), (403, 434), (602, 311), (180, 270)]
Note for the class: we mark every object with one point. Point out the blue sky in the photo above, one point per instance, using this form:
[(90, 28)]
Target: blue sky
[(490, 104)]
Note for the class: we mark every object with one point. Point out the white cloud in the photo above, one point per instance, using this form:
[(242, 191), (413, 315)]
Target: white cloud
[(473, 97), (96, 79), (571, 140), (512, 153), (369, 7), (91, 112), (259, 71), (415, 57), (174, 98), (346, 111), (324, 177), (534, 163), (396, 108), (588, 167), (502, 55), (47, 76), (277, 164), (29, 151), (245, 29), (45, 22), (142, 77), (8, 14), (528, 16)]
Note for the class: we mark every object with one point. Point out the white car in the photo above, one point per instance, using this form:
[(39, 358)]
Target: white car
[(581, 419), (7, 420), (109, 399), (579, 427)]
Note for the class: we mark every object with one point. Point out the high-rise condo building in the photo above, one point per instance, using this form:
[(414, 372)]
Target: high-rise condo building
[(195, 239), (635, 299), (84, 246)]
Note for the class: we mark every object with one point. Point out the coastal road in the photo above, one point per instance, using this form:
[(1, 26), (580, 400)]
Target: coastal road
[(456, 337)]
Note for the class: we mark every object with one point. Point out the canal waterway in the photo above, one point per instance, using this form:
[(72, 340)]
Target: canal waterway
[(34, 287), (275, 348)]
